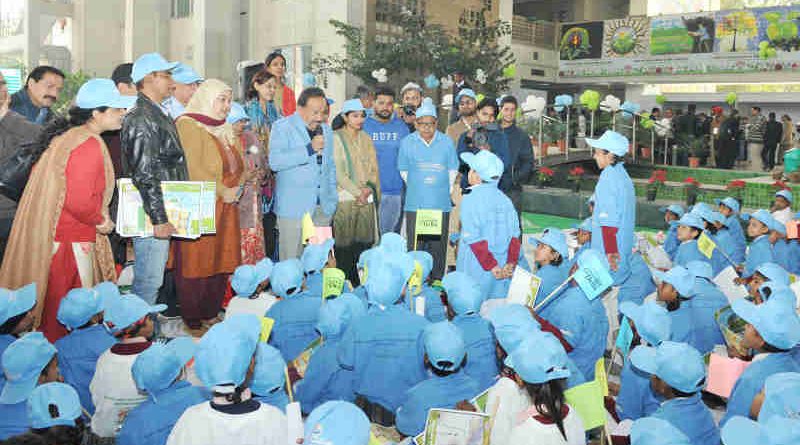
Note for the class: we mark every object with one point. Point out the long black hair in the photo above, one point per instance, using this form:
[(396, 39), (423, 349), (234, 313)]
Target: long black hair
[(548, 398), (63, 434), (75, 118)]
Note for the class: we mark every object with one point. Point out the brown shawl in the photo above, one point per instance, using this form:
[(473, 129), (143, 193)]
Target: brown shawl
[(30, 245)]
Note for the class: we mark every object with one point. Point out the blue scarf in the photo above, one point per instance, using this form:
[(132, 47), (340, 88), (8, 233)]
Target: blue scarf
[(258, 119)]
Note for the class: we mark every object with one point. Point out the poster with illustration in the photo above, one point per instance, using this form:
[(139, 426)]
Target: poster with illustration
[(737, 32), (628, 37), (778, 27), (581, 41), (683, 34)]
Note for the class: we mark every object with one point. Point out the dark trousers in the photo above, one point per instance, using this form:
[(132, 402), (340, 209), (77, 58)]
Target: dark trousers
[(270, 222), (726, 156), (347, 258), (5, 231), (434, 245), (768, 154), (200, 298)]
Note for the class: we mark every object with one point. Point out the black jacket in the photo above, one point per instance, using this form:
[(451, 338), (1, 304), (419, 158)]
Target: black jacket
[(151, 153)]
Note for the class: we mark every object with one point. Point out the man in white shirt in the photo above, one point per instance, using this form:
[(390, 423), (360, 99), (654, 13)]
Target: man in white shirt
[(782, 208), (187, 81)]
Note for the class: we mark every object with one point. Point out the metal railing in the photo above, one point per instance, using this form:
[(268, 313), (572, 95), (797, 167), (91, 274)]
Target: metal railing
[(537, 33)]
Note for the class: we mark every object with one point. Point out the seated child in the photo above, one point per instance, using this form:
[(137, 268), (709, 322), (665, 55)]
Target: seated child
[(690, 227), (719, 235), (55, 413), (672, 214), (706, 300), (360, 291), (767, 273), (729, 208), (316, 257), (337, 423), (782, 206), (249, 283), (434, 309), (583, 235), (780, 397), (676, 291), (639, 284), (16, 317), (760, 250), (777, 430), (297, 312), (268, 383), (654, 431), (550, 257), (780, 247)]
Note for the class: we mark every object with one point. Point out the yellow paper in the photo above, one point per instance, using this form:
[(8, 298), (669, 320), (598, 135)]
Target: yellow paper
[(266, 328), (415, 282), (706, 245), (600, 375), (588, 399), (308, 229), (332, 282), (428, 222)]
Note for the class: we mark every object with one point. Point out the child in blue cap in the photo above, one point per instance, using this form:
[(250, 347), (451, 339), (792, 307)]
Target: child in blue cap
[(81, 312), (324, 379), (780, 397), (297, 312), (729, 208), (28, 362), (337, 423), (384, 348), (55, 413), (772, 330), (316, 257), (434, 308), (583, 236), (269, 377), (690, 227), (464, 301), (539, 364), (780, 247), (640, 284), (672, 214), (675, 290), (16, 317), (678, 375), (777, 430), (655, 431), (445, 356), (705, 300), (113, 389), (551, 260), (782, 206), (249, 283), (651, 325), (767, 273), (717, 234), (158, 372), (760, 251)]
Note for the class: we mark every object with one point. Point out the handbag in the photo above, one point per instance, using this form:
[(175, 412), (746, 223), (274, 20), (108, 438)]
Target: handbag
[(16, 169)]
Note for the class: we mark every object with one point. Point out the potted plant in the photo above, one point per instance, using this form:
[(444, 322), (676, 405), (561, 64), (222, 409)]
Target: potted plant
[(736, 188), (697, 151), (656, 181), (544, 175), (576, 176), (692, 187)]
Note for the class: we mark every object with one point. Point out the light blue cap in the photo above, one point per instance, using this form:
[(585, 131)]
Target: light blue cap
[(81, 304), (247, 277), (485, 163), (444, 342), (655, 431), (287, 278), (692, 220), (425, 260), (775, 320), (309, 80), (126, 310), (15, 302), (762, 216), (592, 255), (679, 277), (719, 218), (539, 358), (740, 430), (224, 353), (150, 63), (237, 114), (385, 281), (512, 324), (158, 366), (610, 141), (367, 255), (351, 105), (703, 212), (554, 238), (785, 194), (700, 206), (336, 314), (677, 209), (53, 404), (466, 92), (463, 293), (778, 226), (393, 243), (771, 290), (700, 268), (774, 272), (679, 365), (337, 423), (781, 396), (426, 109), (653, 322), (730, 203), (269, 373), (584, 226), (98, 93), (23, 362), (315, 256), (184, 74)]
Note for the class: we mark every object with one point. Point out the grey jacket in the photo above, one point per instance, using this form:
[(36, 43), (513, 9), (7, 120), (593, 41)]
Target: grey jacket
[(15, 130)]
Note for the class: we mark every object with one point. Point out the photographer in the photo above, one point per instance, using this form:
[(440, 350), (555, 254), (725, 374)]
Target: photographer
[(467, 102), (411, 99), (486, 135)]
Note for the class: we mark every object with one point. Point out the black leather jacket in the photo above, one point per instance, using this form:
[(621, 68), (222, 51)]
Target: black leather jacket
[(151, 153)]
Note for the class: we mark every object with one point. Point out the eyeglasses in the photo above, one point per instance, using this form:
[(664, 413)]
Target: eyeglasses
[(3, 82), (426, 124)]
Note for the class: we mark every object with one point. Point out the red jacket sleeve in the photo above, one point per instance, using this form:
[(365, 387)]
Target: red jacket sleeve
[(85, 183), (481, 251), (551, 328), (610, 239), (513, 251)]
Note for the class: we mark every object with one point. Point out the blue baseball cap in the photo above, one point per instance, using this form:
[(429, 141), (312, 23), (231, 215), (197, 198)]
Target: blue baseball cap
[(703, 212), (778, 226), (774, 272), (610, 141), (678, 364), (126, 310), (425, 260), (762, 216), (485, 163), (771, 290), (224, 352), (237, 114), (337, 423), (98, 93), (393, 243), (677, 209), (692, 220), (585, 225), (48, 396), (679, 277), (385, 282), (700, 268), (466, 92), (653, 322), (351, 105), (781, 396), (719, 218), (655, 431), (15, 302), (269, 373), (336, 314), (23, 362), (785, 194), (150, 63), (247, 277), (554, 238), (81, 304), (775, 320), (700, 206), (444, 342), (184, 74), (539, 358), (512, 324), (315, 256), (776, 430), (730, 203), (365, 257), (158, 366), (287, 278), (463, 293), (426, 109)]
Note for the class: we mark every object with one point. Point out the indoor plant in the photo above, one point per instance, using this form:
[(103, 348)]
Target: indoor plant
[(692, 187), (544, 175), (697, 151), (576, 177), (736, 189), (656, 181)]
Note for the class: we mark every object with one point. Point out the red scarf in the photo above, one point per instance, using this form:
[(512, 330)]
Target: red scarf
[(205, 120)]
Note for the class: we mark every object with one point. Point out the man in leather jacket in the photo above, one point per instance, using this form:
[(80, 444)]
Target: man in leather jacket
[(151, 153)]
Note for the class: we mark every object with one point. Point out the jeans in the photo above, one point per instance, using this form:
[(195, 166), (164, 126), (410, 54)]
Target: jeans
[(389, 213), (148, 269)]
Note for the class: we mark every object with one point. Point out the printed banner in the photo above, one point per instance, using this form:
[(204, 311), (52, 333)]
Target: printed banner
[(581, 41), (683, 34), (629, 37)]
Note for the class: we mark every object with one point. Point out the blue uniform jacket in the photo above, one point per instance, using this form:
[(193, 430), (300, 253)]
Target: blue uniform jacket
[(692, 417), (718, 261), (314, 285), (324, 380), (752, 381), (737, 236), (77, 358), (499, 143), (760, 252), (295, 324), (436, 392), (279, 399), (781, 253), (794, 257), (552, 277), (14, 419), (434, 309), (301, 183), (706, 300), (153, 420), (688, 252), (480, 345), (385, 352), (640, 284), (584, 324), (487, 215), (5, 341), (615, 206), (636, 398), (671, 242)]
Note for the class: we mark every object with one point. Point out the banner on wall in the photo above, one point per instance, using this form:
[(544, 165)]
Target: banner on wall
[(581, 41), (629, 37), (682, 34), (737, 31)]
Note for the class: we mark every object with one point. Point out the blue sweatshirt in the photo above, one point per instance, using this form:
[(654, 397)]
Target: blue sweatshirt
[(77, 358), (386, 139)]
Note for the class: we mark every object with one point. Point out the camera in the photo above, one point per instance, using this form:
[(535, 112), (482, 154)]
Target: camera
[(478, 139), (314, 133), (409, 110)]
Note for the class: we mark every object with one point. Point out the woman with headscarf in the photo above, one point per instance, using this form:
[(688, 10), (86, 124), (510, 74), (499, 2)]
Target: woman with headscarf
[(284, 96), (203, 265), (59, 238)]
